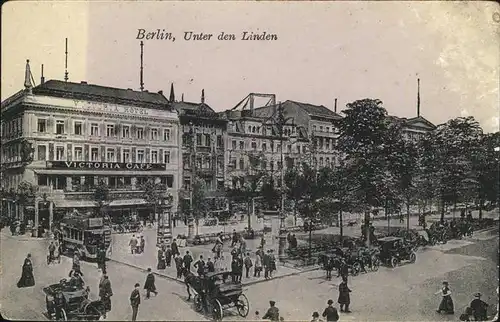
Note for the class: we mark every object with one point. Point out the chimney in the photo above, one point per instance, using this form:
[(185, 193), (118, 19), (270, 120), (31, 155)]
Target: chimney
[(335, 106), (203, 96), (182, 97), (42, 79)]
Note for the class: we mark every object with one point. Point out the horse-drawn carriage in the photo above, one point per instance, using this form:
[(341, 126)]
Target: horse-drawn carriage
[(65, 302), (221, 294)]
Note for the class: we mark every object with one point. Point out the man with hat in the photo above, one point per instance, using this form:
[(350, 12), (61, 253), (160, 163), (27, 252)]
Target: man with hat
[(479, 308), (331, 313), (135, 300), (105, 293), (266, 261), (273, 313), (316, 317)]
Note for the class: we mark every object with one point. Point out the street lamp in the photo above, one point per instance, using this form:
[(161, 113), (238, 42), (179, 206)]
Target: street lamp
[(192, 142)]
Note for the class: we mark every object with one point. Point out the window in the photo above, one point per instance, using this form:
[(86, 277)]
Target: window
[(327, 129), (94, 129), (253, 129), (242, 163), (264, 147), (78, 126), (126, 155), (298, 149), (126, 132), (94, 154), (42, 153), (249, 129), (254, 146), (59, 153), (314, 127), (242, 145), (154, 134), (233, 145), (219, 141), (327, 162), (207, 140), (140, 156), (289, 148), (140, 133), (264, 131), (320, 162), (110, 155), (110, 130), (42, 125), (166, 135), (43, 180), (321, 128), (166, 156), (264, 164), (198, 139), (78, 155), (59, 127), (154, 156)]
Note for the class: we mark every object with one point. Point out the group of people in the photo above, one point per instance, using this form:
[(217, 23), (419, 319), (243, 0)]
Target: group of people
[(137, 244), (476, 311)]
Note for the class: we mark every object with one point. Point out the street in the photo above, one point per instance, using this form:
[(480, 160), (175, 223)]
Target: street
[(403, 293)]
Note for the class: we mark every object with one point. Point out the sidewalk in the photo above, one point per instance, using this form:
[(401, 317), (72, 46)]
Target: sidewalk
[(121, 253)]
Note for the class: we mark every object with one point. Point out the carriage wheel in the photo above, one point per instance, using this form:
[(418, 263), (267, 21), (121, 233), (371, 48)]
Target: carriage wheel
[(242, 305), (217, 310), (375, 264), (413, 257), (64, 317), (198, 304), (356, 268), (394, 262)]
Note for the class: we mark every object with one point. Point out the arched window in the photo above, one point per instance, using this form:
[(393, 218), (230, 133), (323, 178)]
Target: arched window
[(242, 163), (327, 161), (249, 129), (320, 162), (253, 129)]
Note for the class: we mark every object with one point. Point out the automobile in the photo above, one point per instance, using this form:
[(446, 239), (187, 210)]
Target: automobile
[(394, 250)]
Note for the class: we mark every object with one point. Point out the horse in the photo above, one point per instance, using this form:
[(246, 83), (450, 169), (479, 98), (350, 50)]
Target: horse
[(197, 283)]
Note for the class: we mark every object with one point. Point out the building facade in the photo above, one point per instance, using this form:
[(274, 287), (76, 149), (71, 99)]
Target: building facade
[(66, 138)]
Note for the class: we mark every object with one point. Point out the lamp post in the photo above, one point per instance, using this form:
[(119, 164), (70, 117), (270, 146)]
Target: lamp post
[(190, 219)]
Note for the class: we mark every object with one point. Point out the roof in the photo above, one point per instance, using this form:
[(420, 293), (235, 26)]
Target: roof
[(313, 110), (101, 93), (181, 106), (412, 121)]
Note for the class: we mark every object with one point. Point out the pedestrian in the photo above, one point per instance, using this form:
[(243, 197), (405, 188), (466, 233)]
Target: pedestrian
[(27, 279), (273, 313), (239, 262), (272, 263), (330, 313), (52, 249), (135, 300), (168, 255), (175, 248), (234, 270), (266, 261), (105, 293), (142, 244), (294, 242), (133, 244), (262, 242), (187, 260), (76, 265), (243, 245), (344, 296), (446, 304), (479, 308), (149, 285), (101, 260), (178, 265), (248, 264), (220, 264), (200, 266), (210, 266), (234, 240), (344, 269), (161, 259), (315, 317), (329, 268), (258, 265)]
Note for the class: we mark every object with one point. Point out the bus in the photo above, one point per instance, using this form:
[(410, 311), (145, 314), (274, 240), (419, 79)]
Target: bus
[(85, 235)]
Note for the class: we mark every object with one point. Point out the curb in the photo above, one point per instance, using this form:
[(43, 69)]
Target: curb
[(242, 284)]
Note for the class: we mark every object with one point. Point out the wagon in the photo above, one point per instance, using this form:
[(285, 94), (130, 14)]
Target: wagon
[(221, 294), (65, 302)]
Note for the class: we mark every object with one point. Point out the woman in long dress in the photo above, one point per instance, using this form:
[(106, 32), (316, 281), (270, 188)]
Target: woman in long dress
[(161, 259), (446, 304), (27, 279)]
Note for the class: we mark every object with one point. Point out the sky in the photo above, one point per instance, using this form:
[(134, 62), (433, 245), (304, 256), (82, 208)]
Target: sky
[(325, 50)]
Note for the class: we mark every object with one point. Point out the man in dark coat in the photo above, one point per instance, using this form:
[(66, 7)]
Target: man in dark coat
[(239, 266), (210, 266), (101, 258), (479, 308), (266, 262), (344, 296), (330, 313), (105, 293), (178, 265), (248, 264), (135, 300), (175, 248), (168, 255), (273, 313), (52, 249), (235, 238), (187, 260), (200, 266), (27, 279), (234, 270), (149, 285)]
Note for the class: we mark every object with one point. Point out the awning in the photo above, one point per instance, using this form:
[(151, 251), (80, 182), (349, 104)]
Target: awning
[(75, 204), (127, 202), (77, 172)]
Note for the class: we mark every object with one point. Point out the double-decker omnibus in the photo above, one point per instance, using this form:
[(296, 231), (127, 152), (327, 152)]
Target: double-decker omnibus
[(85, 235)]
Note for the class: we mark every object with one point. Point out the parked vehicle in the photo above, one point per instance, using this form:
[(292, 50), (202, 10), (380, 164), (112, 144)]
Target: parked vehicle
[(393, 250)]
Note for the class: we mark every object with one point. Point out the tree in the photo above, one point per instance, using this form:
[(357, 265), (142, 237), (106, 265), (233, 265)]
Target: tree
[(101, 196), (152, 194), (25, 193), (294, 188), (200, 204), (269, 193)]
